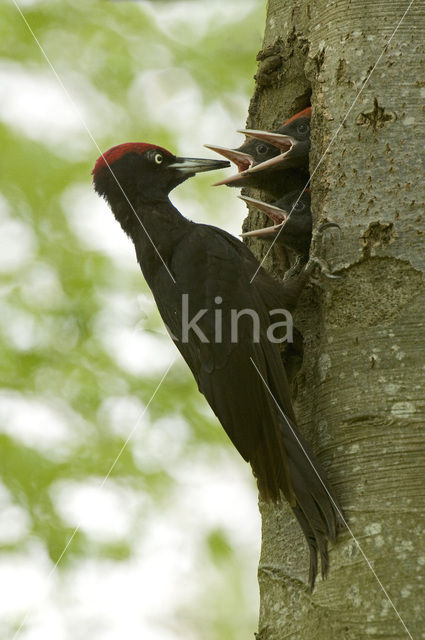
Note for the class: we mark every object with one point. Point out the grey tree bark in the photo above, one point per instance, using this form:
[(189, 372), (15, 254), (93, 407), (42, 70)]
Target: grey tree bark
[(359, 391)]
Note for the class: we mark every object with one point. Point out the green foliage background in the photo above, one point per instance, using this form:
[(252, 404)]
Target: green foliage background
[(59, 292)]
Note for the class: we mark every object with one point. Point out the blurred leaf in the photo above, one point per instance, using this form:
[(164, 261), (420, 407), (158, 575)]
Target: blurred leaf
[(134, 71)]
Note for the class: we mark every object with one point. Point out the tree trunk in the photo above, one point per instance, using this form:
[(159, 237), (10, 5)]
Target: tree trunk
[(359, 392)]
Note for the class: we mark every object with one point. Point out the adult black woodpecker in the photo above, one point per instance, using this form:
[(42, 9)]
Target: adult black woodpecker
[(271, 156), (241, 376)]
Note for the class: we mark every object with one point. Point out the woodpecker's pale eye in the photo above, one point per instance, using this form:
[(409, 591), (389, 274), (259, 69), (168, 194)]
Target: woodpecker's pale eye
[(302, 128), (158, 158), (261, 149), (298, 206)]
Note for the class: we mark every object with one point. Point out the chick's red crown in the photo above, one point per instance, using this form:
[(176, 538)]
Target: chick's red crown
[(306, 113)]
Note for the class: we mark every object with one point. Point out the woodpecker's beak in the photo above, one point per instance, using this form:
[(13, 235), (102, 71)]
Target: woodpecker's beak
[(283, 142), (275, 213), (190, 166), (266, 232), (279, 217), (242, 160), (233, 178)]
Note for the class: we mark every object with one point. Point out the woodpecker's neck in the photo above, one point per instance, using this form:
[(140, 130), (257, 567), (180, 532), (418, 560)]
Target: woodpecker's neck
[(155, 228)]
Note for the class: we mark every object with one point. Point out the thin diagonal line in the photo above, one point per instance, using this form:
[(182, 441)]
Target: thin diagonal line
[(337, 132), (333, 502), (137, 423), (83, 122), (102, 484)]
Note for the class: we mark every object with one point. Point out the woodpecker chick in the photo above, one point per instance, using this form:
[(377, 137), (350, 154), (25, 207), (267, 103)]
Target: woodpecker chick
[(277, 151), (292, 220), (292, 228)]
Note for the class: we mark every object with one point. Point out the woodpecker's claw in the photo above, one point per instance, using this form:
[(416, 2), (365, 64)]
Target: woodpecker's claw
[(316, 245), (296, 268), (314, 262), (328, 225)]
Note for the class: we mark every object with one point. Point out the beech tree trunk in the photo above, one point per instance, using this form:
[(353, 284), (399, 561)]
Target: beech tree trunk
[(359, 387)]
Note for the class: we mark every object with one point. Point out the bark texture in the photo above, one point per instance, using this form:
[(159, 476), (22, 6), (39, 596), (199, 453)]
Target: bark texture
[(360, 379)]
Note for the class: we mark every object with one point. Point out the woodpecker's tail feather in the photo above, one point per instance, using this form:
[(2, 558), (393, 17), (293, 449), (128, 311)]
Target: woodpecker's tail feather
[(317, 509)]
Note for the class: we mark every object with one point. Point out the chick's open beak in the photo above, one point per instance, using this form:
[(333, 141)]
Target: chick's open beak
[(242, 160), (275, 213), (283, 142)]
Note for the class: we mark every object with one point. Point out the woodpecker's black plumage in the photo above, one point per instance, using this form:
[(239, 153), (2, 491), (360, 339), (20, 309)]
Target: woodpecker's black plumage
[(244, 379)]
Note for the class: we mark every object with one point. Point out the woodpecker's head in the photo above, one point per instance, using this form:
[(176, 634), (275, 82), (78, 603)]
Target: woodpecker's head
[(291, 142), (137, 172), (290, 214), (285, 148)]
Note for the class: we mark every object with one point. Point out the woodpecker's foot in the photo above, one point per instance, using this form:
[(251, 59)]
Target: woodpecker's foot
[(316, 262), (296, 268), (328, 225), (317, 238)]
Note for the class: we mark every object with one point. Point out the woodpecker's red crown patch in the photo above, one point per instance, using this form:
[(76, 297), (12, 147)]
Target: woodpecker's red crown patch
[(115, 153)]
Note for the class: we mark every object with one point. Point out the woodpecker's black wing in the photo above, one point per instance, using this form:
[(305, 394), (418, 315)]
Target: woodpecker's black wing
[(244, 381), (276, 294), (213, 266)]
